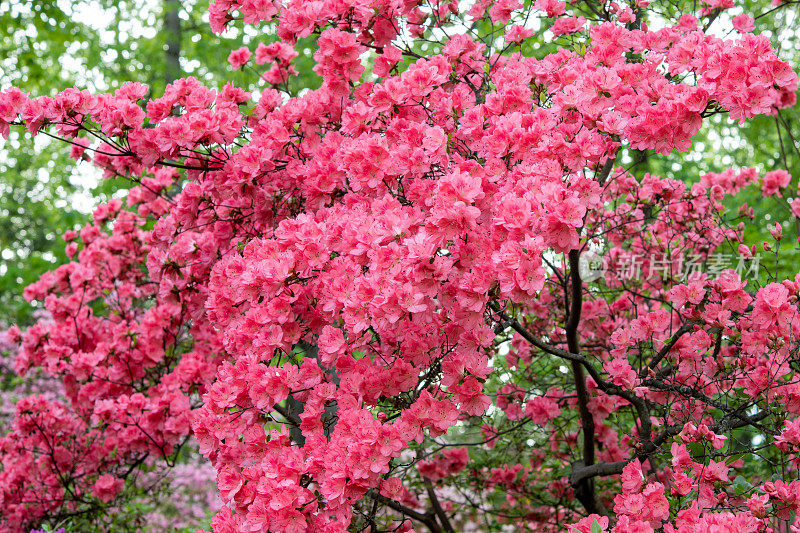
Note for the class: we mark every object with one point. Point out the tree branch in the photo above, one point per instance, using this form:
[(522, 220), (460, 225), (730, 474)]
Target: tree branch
[(581, 472), (437, 508), (426, 518), (662, 353), (696, 394), (584, 488)]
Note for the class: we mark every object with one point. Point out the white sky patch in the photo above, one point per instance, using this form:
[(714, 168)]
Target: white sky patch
[(85, 176)]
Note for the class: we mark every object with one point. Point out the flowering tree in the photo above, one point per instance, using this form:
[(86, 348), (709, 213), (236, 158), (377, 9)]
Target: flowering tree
[(374, 304)]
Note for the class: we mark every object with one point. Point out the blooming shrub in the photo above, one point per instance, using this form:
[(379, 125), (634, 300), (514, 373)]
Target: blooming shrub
[(12, 388), (366, 304)]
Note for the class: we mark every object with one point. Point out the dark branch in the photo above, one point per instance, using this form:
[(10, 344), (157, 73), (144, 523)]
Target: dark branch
[(425, 518)]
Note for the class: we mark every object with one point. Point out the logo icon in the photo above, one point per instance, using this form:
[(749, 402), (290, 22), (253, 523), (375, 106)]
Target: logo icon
[(590, 266)]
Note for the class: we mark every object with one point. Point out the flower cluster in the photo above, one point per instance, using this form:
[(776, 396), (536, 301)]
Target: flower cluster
[(317, 287)]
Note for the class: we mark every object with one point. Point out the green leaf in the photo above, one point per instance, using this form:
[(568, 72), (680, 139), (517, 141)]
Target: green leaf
[(741, 486)]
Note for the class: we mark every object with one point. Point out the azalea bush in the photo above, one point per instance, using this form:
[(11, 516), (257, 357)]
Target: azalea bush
[(432, 294), (12, 386)]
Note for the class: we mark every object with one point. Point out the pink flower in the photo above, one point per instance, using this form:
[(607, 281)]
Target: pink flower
[(632, 477), (517, 33), (331, 343), (554, 8), (239, 57), (541, 410), (774, 181), (776, 231), (106, 487), (744, 23), (584, 525)]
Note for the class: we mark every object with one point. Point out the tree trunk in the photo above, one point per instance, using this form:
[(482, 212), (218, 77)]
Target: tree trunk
[(172, 40)]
